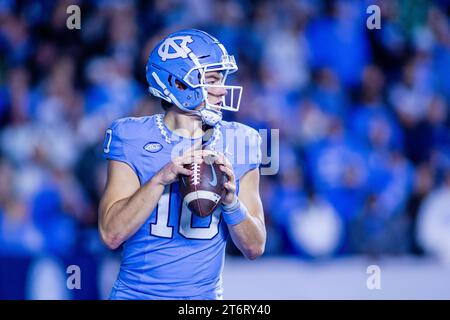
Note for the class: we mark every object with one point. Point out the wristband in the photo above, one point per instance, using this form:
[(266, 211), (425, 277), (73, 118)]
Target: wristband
[(234, 213)]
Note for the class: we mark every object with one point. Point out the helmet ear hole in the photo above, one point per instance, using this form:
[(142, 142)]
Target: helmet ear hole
[(180, 85)]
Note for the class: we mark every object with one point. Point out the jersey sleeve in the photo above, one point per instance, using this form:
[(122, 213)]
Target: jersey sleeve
[(115, 146)]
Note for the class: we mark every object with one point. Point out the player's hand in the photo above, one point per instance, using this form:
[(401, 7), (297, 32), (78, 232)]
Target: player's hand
[(170, 172), (229, 185)]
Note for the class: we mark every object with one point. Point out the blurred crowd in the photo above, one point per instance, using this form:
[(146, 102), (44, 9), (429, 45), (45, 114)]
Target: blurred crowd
[(363, 117)]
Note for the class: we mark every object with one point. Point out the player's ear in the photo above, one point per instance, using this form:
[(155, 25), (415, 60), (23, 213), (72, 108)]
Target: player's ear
[(181, 86)]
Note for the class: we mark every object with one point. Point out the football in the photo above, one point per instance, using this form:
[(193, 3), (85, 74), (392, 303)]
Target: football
[(203, 191)]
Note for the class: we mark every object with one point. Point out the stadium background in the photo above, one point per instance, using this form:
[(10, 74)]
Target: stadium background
[(364, 173)]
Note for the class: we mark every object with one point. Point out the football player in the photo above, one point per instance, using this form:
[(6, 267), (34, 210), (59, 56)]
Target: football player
[(168, 252)]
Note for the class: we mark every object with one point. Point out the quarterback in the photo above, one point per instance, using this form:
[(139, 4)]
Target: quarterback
[(169, 252)]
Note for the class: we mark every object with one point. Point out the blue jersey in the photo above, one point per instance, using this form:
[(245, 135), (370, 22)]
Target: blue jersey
[(174, 254)]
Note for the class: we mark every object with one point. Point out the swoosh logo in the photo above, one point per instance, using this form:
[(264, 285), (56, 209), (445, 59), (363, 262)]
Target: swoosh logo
[(213, 182)]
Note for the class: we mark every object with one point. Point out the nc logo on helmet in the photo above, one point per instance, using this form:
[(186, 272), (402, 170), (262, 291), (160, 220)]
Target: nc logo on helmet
[(179, 50)]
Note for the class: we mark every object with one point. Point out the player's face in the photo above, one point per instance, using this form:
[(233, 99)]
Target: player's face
[(215, 94)]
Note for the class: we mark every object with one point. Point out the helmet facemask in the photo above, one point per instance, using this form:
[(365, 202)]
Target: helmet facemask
[(231, 100)]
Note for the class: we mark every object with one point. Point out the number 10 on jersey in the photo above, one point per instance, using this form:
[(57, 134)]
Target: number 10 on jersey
[(164, 209)]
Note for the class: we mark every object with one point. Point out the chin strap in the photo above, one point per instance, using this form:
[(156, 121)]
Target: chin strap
[(210, 117)]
